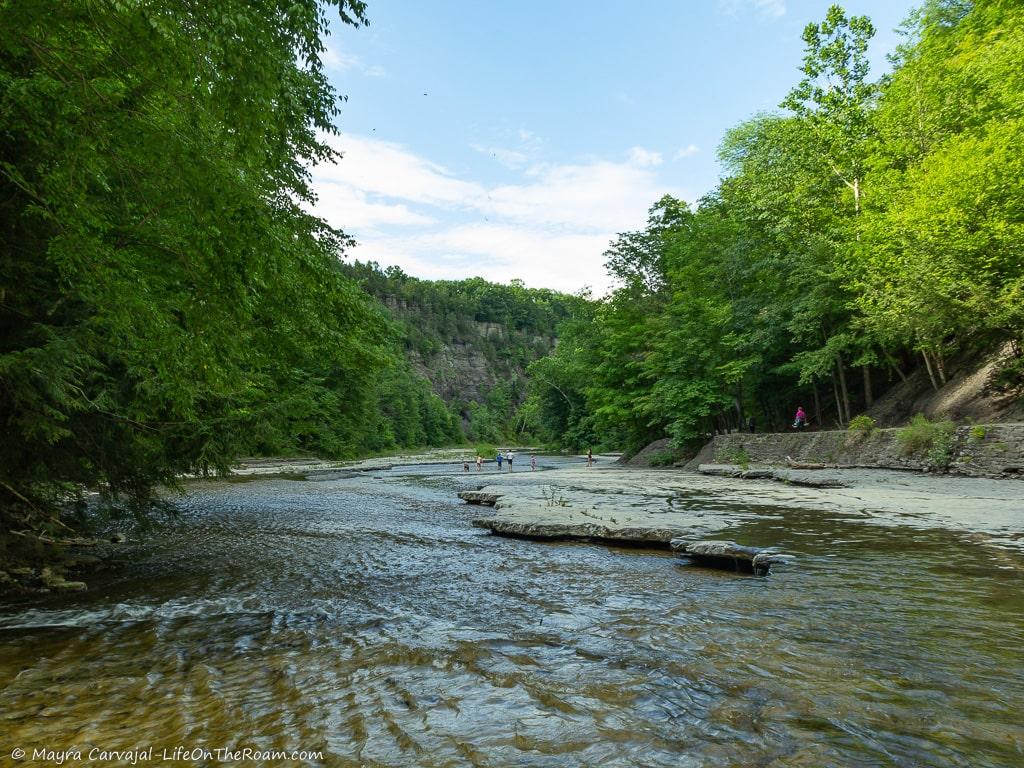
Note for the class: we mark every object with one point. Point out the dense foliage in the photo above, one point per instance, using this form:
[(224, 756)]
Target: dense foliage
[(867, 228), (166, 302), (474, 340)]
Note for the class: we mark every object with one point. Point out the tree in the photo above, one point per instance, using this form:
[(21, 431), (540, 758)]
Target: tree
[(166, 301), (835, 97)]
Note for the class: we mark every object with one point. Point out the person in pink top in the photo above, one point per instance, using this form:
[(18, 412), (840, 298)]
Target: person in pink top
[(800, 420)]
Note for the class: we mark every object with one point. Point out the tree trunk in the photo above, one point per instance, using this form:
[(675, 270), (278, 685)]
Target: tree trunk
[(843, 389), (894, 364), (839, 403), (869, 399), (940, 364), (931, 374), (817, 405)]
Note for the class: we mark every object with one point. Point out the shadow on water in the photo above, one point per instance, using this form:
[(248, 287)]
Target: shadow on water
[(366, 618)]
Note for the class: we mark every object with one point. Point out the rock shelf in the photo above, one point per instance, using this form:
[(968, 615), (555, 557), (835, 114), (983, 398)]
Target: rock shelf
[(730, 556), (651, 507), (796, 476), (479, 497)]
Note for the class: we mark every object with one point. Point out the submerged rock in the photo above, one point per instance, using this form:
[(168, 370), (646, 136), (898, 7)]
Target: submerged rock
[(730, 556), (52, 580)]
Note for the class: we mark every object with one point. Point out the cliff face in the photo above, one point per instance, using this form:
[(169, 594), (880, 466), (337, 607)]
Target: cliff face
[(465, 367), (472, 340)]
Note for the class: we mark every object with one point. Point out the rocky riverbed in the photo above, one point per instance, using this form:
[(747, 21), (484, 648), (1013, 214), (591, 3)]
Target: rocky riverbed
[(651, 507), (362, 617)]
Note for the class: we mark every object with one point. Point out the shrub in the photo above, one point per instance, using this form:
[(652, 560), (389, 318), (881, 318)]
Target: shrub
[(737, 455), (978, 433), (862, 425), (932, 438), (487, 451), (662, 458)]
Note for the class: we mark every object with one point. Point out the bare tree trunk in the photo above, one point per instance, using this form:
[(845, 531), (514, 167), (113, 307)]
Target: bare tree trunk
[(869, 399), (940, 364), (839, 403), (931, 374), (896, 367), (843, 389)]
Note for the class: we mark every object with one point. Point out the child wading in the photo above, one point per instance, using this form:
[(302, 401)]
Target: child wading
[(500, 459), (533, 462)]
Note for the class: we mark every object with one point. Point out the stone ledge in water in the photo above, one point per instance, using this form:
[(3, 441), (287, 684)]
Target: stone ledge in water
[(789, 476), (479, 497), (729, 555), (733, 470), (656, 538)]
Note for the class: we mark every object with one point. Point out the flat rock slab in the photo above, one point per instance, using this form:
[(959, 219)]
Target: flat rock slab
[(795, 476), (480, 497), (653, 538), (730, 556), (735, 470)]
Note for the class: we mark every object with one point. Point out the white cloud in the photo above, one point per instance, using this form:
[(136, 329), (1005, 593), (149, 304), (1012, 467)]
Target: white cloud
[(550, 228), (351, 209), (339, 61), (687, 151), (769, 8), (382, 168), (644, 157), (497, 252), (599, 196)]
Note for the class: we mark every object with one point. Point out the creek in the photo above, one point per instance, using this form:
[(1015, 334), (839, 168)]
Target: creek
[(365, 618)]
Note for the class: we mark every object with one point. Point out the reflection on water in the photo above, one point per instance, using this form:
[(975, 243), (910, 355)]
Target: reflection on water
[(366, 618)]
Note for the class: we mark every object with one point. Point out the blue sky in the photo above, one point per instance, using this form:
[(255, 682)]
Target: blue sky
[(514, 139)]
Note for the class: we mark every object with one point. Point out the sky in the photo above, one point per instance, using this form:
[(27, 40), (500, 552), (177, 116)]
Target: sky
[(513, 140)]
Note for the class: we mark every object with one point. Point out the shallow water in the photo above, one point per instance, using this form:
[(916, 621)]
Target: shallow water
[(365, 618)]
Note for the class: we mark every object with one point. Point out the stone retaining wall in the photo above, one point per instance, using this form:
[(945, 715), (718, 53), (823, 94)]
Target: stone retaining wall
[(983, 450)]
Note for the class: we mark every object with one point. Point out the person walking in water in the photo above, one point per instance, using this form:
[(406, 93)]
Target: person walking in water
[(800, 420), (508, 457), (479, 462), (499, 459), (533, 463), (590, 457), (465, 465)]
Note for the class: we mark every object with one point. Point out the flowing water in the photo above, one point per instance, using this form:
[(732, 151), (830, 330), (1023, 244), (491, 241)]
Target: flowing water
[(366, 619)]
